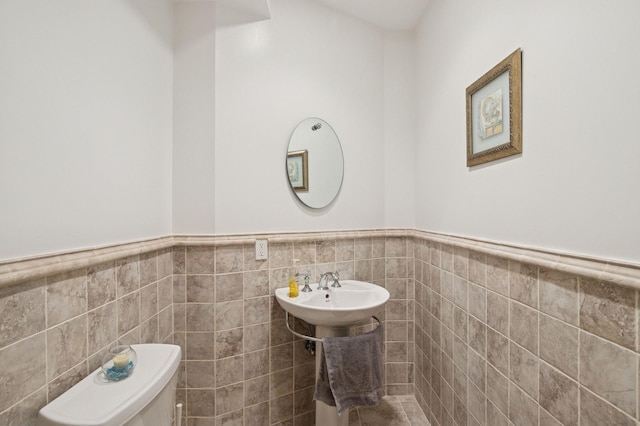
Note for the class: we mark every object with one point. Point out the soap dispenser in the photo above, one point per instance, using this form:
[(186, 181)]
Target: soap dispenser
[(294, 290)]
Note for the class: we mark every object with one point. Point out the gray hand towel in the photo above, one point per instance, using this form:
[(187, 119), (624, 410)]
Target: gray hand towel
[(351, 371)]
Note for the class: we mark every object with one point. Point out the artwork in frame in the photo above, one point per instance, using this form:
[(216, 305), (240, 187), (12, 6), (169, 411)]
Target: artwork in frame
[(494, 112), (298, 169)]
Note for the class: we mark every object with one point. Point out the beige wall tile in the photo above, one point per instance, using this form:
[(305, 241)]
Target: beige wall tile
[(229, 370), (66, 296), (281, 408), (229, 398), (522, 409), (149, 330), (498, 275), (498, 312), (610, 371), (148, 301), (229, 315), (594, 411), (523, 369), (461, 262), (202, 402), (256, 283), (26, 412), (547, 419), (200, 316), (523, 327), (345, 251), (128, 312), (523, 283), (477, 404), (326, 251), (305, 252), (257, 415), (559, 345), (127, 275), (200, 346), (101, 285), (558, 395), (229, 287), (148, 268), (22, 311), (281, 382), (460, 323), (179, 255), (256, 391), (23, 371), (179, 288), (102, 327), (497, 389), (478, 301), (228, 343), (304, 375), (396, 268), (165, 324), (495, 417), (498, 351), (199, 260), (229, 259), (363, 248), (66, 346), (608, 311), (477, 369), (165, 292), (256, 364), (477, 336), (460, 292), (200, 288), (234, 418), (477, 268), (559, 295), (256, 337), (303, 402)]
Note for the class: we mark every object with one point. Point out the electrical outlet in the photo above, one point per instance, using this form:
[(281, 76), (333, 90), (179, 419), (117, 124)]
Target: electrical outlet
[(262, 250)]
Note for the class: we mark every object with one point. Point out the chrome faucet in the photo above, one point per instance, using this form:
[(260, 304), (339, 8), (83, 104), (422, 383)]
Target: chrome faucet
[(323, 284)]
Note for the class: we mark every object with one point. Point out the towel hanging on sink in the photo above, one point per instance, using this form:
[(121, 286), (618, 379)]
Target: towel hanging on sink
[(351, 371)]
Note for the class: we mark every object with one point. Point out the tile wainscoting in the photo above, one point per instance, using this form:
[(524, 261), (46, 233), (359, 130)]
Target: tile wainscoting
[(488, 333), (506, 335)]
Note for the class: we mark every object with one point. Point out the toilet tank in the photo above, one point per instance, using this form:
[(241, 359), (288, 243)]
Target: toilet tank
[(147, 397)]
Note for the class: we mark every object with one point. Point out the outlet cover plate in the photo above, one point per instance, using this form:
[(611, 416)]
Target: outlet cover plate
[(262, 250)]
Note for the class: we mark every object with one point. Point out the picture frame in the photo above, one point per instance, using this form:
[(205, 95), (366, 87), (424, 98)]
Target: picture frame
[(298, 170), (494, 112)]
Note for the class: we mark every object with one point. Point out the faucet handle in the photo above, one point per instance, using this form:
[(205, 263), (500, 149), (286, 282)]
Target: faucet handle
[(306, 287), (336, 277)]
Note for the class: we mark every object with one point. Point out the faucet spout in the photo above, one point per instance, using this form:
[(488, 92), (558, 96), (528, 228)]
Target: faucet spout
[(323, 284)]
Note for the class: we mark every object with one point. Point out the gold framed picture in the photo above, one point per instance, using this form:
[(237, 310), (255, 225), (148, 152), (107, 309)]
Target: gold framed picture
[(298, 170), (494, 112)]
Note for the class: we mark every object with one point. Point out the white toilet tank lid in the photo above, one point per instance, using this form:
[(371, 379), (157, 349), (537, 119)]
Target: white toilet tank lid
[(97, 402)]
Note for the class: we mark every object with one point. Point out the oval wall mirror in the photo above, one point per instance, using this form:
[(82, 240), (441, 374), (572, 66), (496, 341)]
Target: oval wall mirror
[(315, 164)]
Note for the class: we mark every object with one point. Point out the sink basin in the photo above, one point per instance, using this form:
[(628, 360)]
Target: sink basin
[(355, 301)]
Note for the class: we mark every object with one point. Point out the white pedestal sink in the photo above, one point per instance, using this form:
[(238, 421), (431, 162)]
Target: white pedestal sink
[(333, 312)]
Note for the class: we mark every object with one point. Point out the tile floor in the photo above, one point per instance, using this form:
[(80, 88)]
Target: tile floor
[(392, 411)]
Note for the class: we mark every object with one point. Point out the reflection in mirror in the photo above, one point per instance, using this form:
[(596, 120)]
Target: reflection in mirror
[(315, 164)]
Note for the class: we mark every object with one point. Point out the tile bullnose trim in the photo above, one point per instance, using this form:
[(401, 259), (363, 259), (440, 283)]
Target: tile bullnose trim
[(616, 272), (20, 270), (17, 271)]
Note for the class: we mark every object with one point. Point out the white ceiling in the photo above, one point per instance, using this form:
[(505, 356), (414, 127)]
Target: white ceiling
[(387, 14)]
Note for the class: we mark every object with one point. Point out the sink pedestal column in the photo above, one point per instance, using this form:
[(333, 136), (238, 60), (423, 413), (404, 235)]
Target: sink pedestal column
[(327, 415)]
